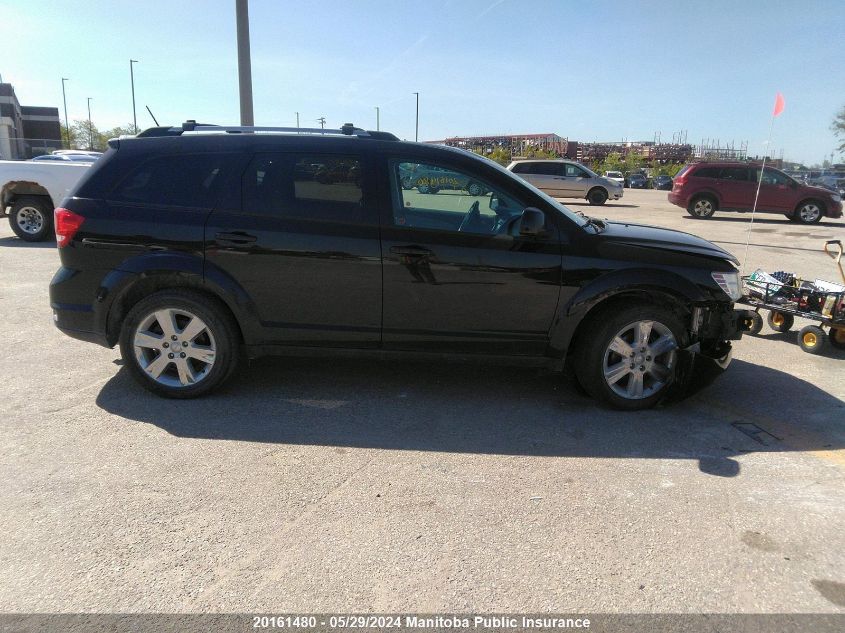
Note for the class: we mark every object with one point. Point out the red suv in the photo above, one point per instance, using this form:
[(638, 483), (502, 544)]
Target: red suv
[(703, 188)]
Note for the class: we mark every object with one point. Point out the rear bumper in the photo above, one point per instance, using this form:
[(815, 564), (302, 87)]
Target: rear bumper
[(77, 311), (677, 199)]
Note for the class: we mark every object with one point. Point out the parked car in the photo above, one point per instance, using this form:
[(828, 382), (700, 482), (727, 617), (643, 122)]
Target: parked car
[(615, 176), (663, 182), (561, 178), (706, 187), (67, 158), (30, 190), (637, 181), (188, 247), (432, 180)]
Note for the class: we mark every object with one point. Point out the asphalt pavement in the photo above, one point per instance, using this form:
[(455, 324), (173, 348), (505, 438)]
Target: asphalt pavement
[(347, 485)]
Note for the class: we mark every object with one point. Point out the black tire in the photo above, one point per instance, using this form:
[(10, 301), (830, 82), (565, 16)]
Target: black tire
[(594, 352), (31, 218), (220, 330), (756, 324), (792, 218), (597, 196), (809, 212), (836, 337), (702, 207), (779, 321), (475, 189), (812, 339)]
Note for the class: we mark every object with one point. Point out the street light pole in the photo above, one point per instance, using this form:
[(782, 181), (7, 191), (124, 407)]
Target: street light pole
[(244, 63), (297, 120), (67, 123), (417, 129), (377, 119), (132, 78), (90, 129), (322, 122)]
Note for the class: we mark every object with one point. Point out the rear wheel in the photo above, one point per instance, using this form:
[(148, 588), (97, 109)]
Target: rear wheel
[(779, 321), (812, 339), (31, 218), (475, 189), (179, 343), (597, 196), (630, 359), (809, 212), (702, 207)]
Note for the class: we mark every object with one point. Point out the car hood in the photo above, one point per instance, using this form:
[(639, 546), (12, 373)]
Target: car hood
[(607, 180), (655, 237)]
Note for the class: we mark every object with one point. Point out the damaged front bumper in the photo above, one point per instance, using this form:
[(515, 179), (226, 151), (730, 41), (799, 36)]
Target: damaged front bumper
[(701, 363)]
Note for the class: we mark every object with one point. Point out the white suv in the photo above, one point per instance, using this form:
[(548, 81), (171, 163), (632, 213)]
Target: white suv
[(567, 179)]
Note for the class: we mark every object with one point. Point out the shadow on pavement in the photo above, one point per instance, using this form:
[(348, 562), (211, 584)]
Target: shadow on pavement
[(16, 242), (472, 409), (765, 219)]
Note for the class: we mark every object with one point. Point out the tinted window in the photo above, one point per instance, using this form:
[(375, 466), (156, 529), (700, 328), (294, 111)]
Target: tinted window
[(547, 169), (734, 173), (313, 186), (706, 172), (428, 196), (522, 168), (772, 177), (183, 180)]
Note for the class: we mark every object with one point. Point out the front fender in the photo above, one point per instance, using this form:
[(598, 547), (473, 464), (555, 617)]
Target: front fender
[(643, 282)]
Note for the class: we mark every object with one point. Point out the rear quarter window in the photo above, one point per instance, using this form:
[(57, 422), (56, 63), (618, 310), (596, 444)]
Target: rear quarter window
[(706, 172), (185, 180)]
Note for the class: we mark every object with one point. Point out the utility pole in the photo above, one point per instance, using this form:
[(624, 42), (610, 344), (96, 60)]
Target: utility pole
[(67, 123), (377, 120), (322, 122), (132, 78), (244, 63), (297, 120), (417, 128), (90, 129)]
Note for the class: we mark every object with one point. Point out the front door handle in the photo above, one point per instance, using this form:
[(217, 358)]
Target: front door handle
[(237, 238), (411, 251)]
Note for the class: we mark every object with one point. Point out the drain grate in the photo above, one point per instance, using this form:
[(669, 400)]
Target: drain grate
[(756, 433)]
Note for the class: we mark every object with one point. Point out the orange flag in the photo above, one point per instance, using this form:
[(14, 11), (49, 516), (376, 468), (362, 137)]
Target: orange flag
[(779, 103)]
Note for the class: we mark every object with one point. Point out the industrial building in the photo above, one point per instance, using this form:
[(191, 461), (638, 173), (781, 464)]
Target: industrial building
[(26, 131)]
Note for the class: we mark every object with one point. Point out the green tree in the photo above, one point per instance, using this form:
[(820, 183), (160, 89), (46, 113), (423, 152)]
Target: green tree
[(838, 127), (84, 137), (500, 155)]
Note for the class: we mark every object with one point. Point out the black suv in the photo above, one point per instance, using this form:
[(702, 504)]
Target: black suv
[(189, 245)]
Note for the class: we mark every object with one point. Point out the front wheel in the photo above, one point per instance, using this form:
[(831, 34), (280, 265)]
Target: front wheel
[(31, 218), (179, 343), (597, 196), (475, 189), (630, 359), (808, 212)]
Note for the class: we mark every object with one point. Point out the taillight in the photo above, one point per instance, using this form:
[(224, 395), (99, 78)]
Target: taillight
[(67, 223)]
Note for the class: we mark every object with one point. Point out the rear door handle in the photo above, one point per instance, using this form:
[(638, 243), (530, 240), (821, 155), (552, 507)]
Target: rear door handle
[(236, 238), (411, 251)]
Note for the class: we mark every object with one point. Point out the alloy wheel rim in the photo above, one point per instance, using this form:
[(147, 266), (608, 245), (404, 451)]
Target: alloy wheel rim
[(30, 220), (702, 207), (174, 347), (809, 212), (639, 360)]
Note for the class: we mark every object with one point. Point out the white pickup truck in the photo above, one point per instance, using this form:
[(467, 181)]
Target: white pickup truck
[(30, 190)]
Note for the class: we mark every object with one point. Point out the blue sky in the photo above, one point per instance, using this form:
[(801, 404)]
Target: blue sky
[(587, 70)]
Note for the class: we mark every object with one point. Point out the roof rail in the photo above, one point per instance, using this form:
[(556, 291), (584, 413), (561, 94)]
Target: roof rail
[(209, 128)]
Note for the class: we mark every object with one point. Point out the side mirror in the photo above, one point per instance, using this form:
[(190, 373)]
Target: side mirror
[(532, 222)]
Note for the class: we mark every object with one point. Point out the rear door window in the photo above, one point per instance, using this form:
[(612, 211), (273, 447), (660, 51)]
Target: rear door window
[(307, 186)]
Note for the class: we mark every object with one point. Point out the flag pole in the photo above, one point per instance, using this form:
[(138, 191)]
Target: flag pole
[(777, 110)]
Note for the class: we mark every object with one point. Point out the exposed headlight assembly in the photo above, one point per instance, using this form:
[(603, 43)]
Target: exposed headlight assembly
[(729, 282)]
